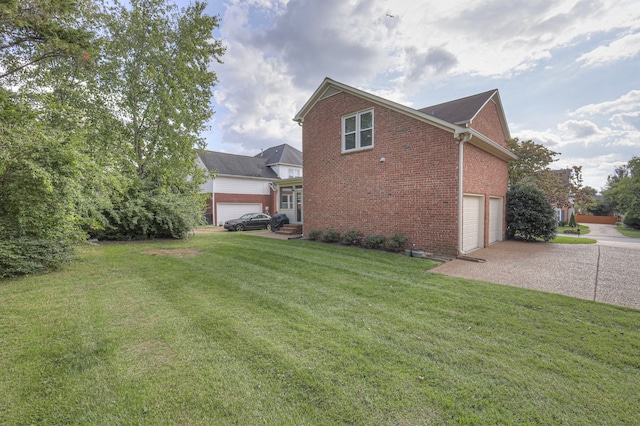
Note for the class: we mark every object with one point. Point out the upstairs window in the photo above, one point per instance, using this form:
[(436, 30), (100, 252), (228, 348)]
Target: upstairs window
[(357, 131), (294, 173)]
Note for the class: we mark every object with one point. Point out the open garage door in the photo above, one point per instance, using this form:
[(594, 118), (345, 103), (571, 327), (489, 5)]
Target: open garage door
[(472, 223), (227, 211)]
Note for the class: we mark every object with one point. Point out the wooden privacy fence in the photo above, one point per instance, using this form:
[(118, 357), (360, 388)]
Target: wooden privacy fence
[(607, 220)]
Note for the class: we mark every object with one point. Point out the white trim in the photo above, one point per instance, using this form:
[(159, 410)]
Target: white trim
[(500, 224), (357, 131), (479, 243), (435, 121)]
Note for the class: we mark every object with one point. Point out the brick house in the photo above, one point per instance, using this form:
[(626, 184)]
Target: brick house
[(244, 184), (437, 174)]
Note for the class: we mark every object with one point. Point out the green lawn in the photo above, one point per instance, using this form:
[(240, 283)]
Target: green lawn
[(228, 328), (629, 232)]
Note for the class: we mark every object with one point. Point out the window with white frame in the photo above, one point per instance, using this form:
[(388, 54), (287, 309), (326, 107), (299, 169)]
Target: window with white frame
[(286, 198), (357, 131), (294, 173)]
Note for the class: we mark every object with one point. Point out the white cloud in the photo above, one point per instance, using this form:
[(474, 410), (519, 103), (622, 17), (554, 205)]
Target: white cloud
[(623, 48), (580, 129), (280, 50), (627, 102), (627, 121)]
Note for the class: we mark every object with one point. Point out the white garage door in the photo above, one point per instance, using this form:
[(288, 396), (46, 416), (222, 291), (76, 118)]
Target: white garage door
[(495, 220), (228, 211), (472, 229)]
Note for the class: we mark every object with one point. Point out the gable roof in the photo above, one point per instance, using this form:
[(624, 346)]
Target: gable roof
[(462, 111), (331, 87), (282, 154), (237, 165)]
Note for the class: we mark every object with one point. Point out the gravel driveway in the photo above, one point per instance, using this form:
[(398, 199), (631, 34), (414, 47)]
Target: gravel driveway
[(608, 271)]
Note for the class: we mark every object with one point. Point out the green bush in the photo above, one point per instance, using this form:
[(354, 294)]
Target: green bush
[(572, 220), (395, 243), (562, 223), (331, 236), (374, 241), (23, 256), (315, 235), (571, 231), (353, 237), (142, 215), (529, 216), (631, 221)]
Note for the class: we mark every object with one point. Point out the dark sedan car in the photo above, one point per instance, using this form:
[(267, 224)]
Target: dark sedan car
[(249, 221)]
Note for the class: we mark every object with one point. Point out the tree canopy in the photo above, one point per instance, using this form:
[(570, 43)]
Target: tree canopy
[(32, 31), (562, 187), (101, 114), (623, 187)]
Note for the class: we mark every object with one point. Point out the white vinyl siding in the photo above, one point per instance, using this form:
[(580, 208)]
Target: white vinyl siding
[(231, 185)]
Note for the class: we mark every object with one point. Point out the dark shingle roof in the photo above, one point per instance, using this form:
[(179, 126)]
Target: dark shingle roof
[(237, 165), (461, 110), (282, 154)]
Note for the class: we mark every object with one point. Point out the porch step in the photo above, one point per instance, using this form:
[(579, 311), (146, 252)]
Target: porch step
[(290, 229)]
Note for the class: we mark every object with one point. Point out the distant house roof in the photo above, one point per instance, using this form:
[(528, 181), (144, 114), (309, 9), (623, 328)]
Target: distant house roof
[(237, 165), (282, 154)]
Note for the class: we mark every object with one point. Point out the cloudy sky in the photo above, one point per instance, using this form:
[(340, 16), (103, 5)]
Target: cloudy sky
[(568, 71)]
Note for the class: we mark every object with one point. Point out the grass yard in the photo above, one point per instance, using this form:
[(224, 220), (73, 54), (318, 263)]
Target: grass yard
[(566, 239), (229, 328), (628, 232), (584, 229)]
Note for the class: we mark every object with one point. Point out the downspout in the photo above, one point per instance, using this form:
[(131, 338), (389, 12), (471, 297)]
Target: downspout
[(462, 137)]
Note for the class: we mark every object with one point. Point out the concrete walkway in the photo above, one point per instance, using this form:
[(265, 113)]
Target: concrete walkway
[(608, 271)]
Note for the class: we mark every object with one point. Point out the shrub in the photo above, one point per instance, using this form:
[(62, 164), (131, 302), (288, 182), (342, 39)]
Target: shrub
[(142, 215), (631, 220), (374, 241), (315, 235), (572, 220), (529, 215), (562, 223), (571, 231), (352, 237), (23, 256), (395, 243), (331, 236)]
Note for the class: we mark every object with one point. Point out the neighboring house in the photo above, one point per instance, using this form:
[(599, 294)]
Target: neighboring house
[(563, 212), (244, 184), (438, 175)]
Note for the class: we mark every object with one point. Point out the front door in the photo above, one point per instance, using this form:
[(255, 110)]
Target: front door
[(299, 206)]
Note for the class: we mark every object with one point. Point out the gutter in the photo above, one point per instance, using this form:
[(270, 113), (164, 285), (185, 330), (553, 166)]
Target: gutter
[(462, 137)]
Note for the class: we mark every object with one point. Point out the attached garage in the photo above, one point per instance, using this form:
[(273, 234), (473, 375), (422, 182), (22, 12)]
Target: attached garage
[(472, 223), (227, 211), (495, 220)]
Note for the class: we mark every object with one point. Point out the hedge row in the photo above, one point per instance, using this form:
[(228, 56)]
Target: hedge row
[(394, 243)]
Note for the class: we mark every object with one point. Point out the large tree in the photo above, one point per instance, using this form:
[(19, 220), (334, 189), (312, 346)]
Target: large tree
[(560, 187), (155, 75), (623, 187), (32, 31)]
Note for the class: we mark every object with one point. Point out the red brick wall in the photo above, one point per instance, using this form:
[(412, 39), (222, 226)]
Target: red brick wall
[(414, 191), (488, 123), (486, 175)]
